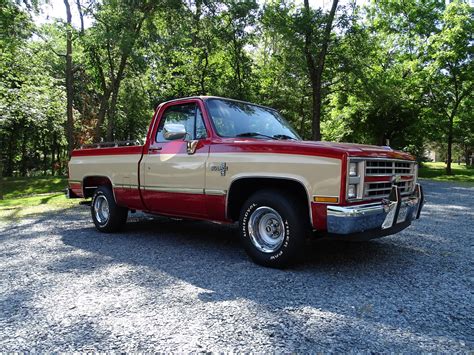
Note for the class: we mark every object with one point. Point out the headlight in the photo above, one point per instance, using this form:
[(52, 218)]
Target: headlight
[(352, 191), (352, 169)]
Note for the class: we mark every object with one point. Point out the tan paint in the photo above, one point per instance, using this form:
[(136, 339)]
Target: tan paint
[(120, 169), (319, 175), (174, 171), (193, 173)]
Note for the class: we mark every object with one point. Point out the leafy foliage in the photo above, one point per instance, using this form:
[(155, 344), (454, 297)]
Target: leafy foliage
[(396, 71)]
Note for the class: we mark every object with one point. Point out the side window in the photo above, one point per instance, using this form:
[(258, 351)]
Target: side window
[(187, 117)]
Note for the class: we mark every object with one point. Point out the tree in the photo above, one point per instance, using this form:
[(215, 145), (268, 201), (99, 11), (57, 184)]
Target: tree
[(451, 69), (110, 43), (316, 43), (69, 80)]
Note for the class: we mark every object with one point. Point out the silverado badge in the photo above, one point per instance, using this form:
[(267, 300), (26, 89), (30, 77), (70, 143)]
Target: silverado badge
[(222, 167)]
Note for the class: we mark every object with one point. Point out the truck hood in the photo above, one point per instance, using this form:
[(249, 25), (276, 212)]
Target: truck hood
[(363, 150), (330, 149)]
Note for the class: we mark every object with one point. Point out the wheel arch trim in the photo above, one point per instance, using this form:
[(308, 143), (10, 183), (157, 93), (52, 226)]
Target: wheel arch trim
[(270, 177), (101, 177)]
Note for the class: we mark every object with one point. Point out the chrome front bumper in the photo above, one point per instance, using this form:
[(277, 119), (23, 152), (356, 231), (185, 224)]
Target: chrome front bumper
[(378, 219)]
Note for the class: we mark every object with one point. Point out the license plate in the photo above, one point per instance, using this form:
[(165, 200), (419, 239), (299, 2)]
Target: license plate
[(402, 214)]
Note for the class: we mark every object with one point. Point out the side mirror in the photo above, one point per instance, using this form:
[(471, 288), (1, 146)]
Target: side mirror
[(173, 131)]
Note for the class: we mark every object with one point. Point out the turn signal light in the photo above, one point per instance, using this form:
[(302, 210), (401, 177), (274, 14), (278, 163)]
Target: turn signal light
[(326, 199)]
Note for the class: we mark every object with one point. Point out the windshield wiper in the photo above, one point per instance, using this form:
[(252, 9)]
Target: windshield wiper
[(254, 134), (283, 136)]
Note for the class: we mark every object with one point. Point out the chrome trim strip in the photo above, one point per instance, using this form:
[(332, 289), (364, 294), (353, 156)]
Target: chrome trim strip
[(215, 192), (383, 159), (182, 190), (381, 175), (126, 185)]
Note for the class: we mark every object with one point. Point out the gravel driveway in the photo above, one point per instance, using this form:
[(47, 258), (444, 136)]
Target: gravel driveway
[(188, 286)]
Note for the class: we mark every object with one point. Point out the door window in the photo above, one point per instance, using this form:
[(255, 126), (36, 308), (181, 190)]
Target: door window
[(185, 116)]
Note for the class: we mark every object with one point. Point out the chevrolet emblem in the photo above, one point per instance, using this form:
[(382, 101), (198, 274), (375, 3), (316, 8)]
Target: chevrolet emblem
[(222, 167)]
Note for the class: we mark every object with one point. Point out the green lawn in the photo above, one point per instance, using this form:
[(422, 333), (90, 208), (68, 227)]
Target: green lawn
[(19, 187), (437, 171), (29, 196)]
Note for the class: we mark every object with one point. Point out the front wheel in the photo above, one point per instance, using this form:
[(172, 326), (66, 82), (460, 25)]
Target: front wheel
[(107, 216), (273, 228)]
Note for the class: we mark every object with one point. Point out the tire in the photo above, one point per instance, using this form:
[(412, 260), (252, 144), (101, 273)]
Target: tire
[(107, 216), (273, 228)]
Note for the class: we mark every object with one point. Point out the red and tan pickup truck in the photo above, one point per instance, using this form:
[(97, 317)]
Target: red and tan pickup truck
[(225, 161)]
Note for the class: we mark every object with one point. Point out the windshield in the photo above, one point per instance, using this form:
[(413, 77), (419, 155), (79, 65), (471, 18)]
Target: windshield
[(239, 119)]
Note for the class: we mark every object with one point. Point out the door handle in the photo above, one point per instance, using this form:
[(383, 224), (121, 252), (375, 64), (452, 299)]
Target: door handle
[(154, 149)]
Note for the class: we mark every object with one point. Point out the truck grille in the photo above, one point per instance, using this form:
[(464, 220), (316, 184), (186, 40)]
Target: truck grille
[(381, 168), (390, 172)]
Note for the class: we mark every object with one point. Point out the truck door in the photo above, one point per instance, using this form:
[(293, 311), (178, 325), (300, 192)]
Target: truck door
[(173, 168)]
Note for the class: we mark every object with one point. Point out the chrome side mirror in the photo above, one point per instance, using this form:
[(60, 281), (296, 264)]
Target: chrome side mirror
[(173, 131)]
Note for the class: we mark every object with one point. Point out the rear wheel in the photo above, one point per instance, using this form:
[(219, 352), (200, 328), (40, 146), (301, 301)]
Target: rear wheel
[(107, 216), (273, 228)]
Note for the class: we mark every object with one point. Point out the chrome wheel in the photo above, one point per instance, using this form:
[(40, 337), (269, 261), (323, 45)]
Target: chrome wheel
[(266, 229), (101, 209)]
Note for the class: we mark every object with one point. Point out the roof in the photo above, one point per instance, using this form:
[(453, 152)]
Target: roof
[(205, 97)]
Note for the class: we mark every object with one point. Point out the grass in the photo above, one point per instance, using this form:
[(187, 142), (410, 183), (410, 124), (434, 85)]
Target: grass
[(437, 172), (13, 209), (25, 197), (24, 186)]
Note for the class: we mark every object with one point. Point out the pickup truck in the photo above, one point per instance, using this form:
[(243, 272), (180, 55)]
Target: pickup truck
[(224, 160)]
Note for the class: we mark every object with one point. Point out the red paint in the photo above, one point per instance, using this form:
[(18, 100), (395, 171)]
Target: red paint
[(178, 204), (216, 208), (377, 178), (319, 214), (76, 187), (342, 191), (128, 197), (136, 149), (159, 115), (239, 145)]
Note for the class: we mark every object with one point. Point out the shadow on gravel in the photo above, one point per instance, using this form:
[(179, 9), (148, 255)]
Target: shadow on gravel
[(378, 283), (413, 285)]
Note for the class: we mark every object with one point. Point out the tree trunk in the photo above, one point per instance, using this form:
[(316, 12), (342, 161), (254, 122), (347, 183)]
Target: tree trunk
[(23, 168), (81, 15), (103, 108), (301, 131), (316, 123), (53, 149), (45, 155), (467, 156), (10, 163), (450, 134), (115, 87), (69, 81), (450, 145), (112, 111), (315, 65)]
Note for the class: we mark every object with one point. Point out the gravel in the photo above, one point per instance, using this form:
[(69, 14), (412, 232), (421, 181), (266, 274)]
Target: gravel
[(188, 286)]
